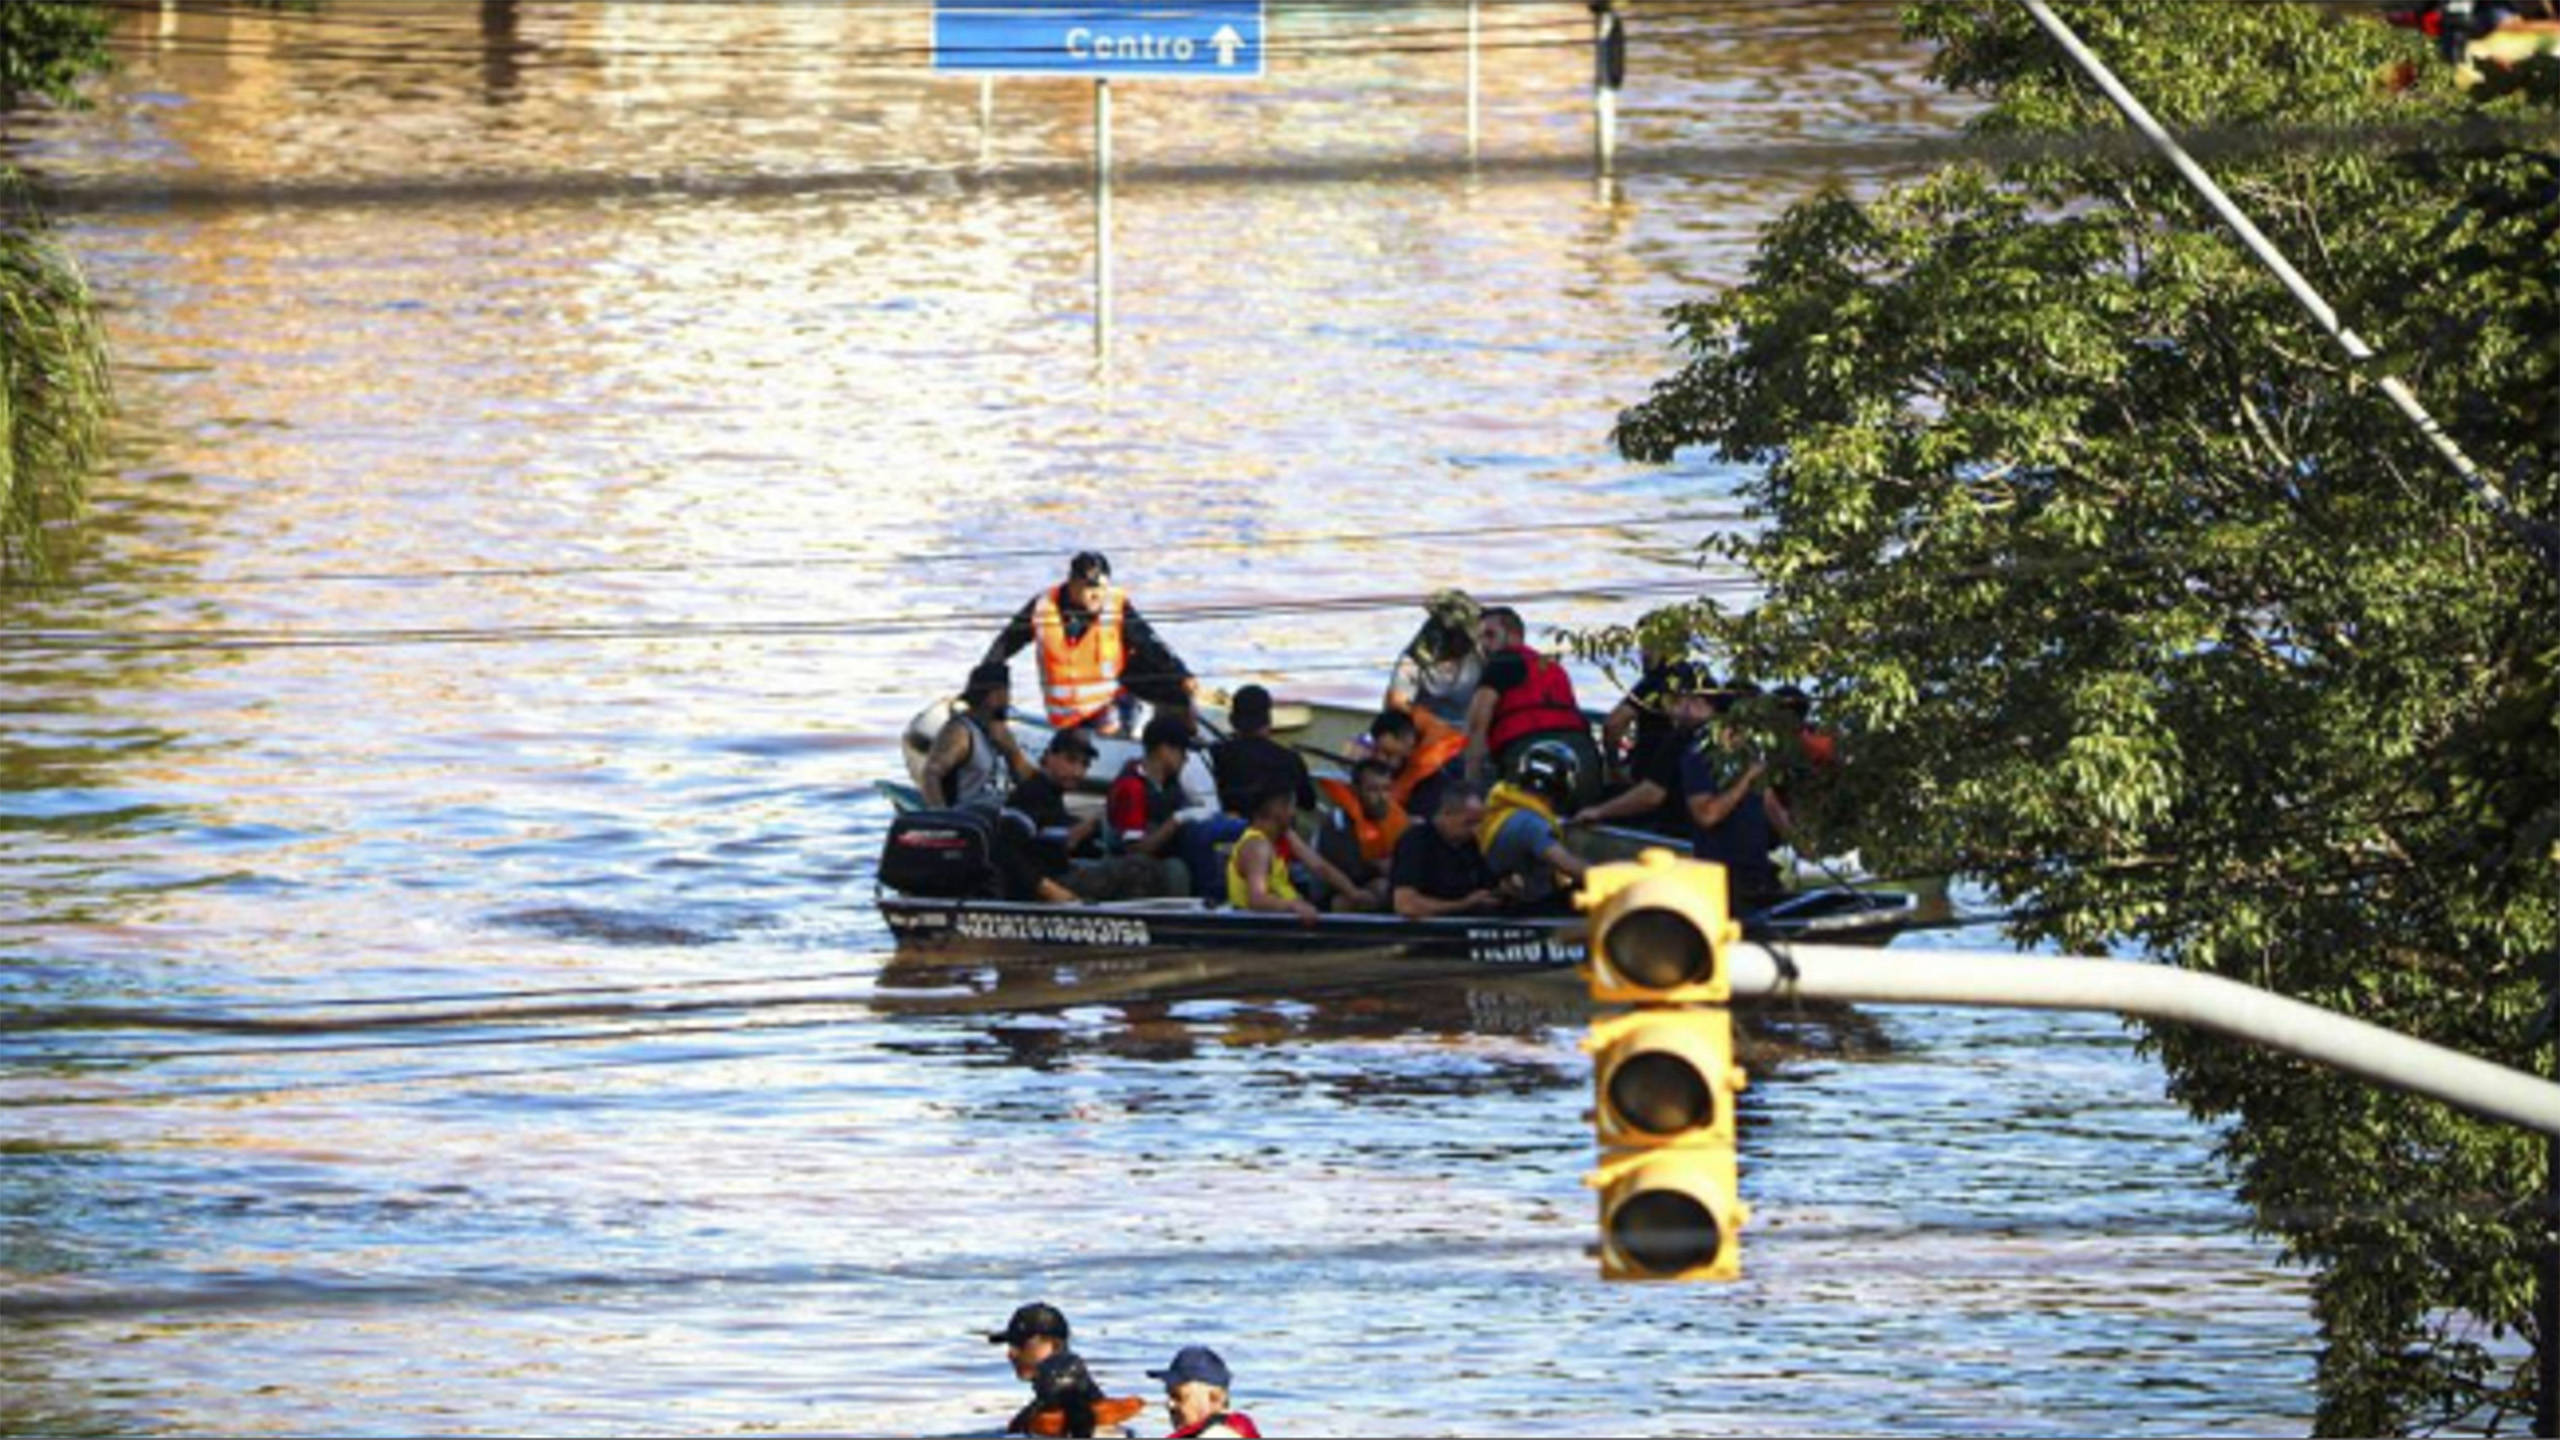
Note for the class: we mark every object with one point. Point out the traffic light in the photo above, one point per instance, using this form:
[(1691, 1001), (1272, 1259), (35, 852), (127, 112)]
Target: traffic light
[(1663, 1072)]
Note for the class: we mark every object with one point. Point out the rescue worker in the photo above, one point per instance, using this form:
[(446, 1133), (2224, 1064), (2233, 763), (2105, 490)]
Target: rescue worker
[(1525, 698), (1522, 840), (1656, 801), (1737, 818), (1641, 720), (1195, 1397), (1359, 837), (1097, 655), (975, 759)]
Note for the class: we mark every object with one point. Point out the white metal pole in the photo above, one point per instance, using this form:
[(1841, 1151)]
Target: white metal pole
[(2154, 992), (1102, 218), (1604, 96), (2321, 312)]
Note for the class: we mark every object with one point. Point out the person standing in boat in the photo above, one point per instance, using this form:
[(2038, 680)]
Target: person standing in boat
[(1526, 698), (1195, 1395), (1737, 818), (1098, 656), (1440, 668), (975, 759), (1657, 800)]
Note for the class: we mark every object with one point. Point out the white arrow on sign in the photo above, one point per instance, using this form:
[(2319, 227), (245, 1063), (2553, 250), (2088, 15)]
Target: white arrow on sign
[(1227, 42)]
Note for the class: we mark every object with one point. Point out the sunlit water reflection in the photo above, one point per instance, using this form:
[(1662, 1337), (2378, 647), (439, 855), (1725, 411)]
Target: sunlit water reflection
[(693, 487)]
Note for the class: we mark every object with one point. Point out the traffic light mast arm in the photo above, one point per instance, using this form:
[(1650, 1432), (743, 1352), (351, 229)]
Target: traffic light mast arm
[(2153, 992)]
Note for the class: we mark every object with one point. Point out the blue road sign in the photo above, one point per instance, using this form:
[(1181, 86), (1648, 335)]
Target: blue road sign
[(1103, 39)]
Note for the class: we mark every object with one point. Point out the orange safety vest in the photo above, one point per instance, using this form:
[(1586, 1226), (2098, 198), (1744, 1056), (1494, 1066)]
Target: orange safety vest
[(1437, 743), (1377, 837), (1079, 679)]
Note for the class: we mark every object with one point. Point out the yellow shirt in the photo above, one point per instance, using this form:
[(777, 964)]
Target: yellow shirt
[(1277, 881)]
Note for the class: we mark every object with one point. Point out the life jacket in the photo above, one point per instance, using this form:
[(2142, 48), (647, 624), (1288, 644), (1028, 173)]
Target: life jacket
[(1158, 804), (1541, 703), (1080, 678), (1436, 744), (1276, 881), (1506, 801), (1233, 1422), (1377, 838), (1108, 1414)]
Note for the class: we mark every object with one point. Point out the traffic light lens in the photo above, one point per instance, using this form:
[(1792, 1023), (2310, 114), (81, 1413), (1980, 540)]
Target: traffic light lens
[(1661, 948), (1661, 1095), (1665, 1232)]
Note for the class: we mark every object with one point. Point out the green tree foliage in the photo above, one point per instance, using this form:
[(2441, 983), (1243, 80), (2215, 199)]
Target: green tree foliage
[(48, 48), (53, 378), (2137, 602)]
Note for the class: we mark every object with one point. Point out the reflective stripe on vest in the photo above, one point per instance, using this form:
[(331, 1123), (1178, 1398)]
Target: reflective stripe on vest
[(1079, 678)]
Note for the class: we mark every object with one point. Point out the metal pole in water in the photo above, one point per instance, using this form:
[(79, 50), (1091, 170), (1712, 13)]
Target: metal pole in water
[(1102, 219), (1608, 72), (986, 116)]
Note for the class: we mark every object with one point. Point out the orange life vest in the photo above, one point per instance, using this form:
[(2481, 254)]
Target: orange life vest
[(1436, 743), (1080, 678), (1377, 837), (1108, 1414)]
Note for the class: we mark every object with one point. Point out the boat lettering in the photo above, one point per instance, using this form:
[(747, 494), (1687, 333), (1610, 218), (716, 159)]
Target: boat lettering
[(1054, 929)]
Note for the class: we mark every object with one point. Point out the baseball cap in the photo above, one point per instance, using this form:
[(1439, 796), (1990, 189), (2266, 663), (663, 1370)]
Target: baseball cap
[(1072, 741), (1032, 1320), (1089, 565), (1194, 1364), (987, 677), (1687, 677)]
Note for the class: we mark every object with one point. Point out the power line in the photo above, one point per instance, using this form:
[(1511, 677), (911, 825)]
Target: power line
[(827, 561)]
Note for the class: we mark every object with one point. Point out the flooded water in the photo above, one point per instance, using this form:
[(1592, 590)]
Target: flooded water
[(564, 442)]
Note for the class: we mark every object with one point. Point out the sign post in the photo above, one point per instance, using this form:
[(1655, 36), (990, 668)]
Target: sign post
[(1100, 40)]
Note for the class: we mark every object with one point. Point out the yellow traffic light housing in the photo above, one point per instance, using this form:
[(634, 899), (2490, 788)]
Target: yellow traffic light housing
[(1663, 1072), (1671, 1215), (1664, 1077), (1659, 930)]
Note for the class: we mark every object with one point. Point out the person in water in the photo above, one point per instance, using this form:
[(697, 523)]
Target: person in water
[(1196, 1397)]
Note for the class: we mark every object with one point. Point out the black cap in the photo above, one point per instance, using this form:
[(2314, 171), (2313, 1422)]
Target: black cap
[(991, 676), (1031, 1321), (1089, 565), (1072, 741), (1251, 709), (1687, 677), (1166, 730)]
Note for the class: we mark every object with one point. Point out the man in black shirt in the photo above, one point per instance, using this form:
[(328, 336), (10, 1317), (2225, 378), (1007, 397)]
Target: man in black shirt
[(1657, 801), (1437, 869), (1078, 680), (1250, 763)]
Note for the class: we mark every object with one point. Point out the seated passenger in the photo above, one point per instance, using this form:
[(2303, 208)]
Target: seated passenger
[(1641, 722), (1359, 835), (1523, 842), (1059, 851), (1420, 748), (1656, 801), (1526, 698), (1438, 871), (1146, 804), (975, 758), (1440, 668), (1258, 868), (1250, 762)]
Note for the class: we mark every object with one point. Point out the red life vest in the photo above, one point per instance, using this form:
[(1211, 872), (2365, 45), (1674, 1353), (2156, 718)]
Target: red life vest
[(1079, 678), (1537, 705), (1234, 1420)]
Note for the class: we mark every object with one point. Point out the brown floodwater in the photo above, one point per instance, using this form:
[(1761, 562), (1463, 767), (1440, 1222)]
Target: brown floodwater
[(561, 445)]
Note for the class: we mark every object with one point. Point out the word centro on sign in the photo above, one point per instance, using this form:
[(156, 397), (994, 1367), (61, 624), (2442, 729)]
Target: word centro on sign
[(1085, 43)]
